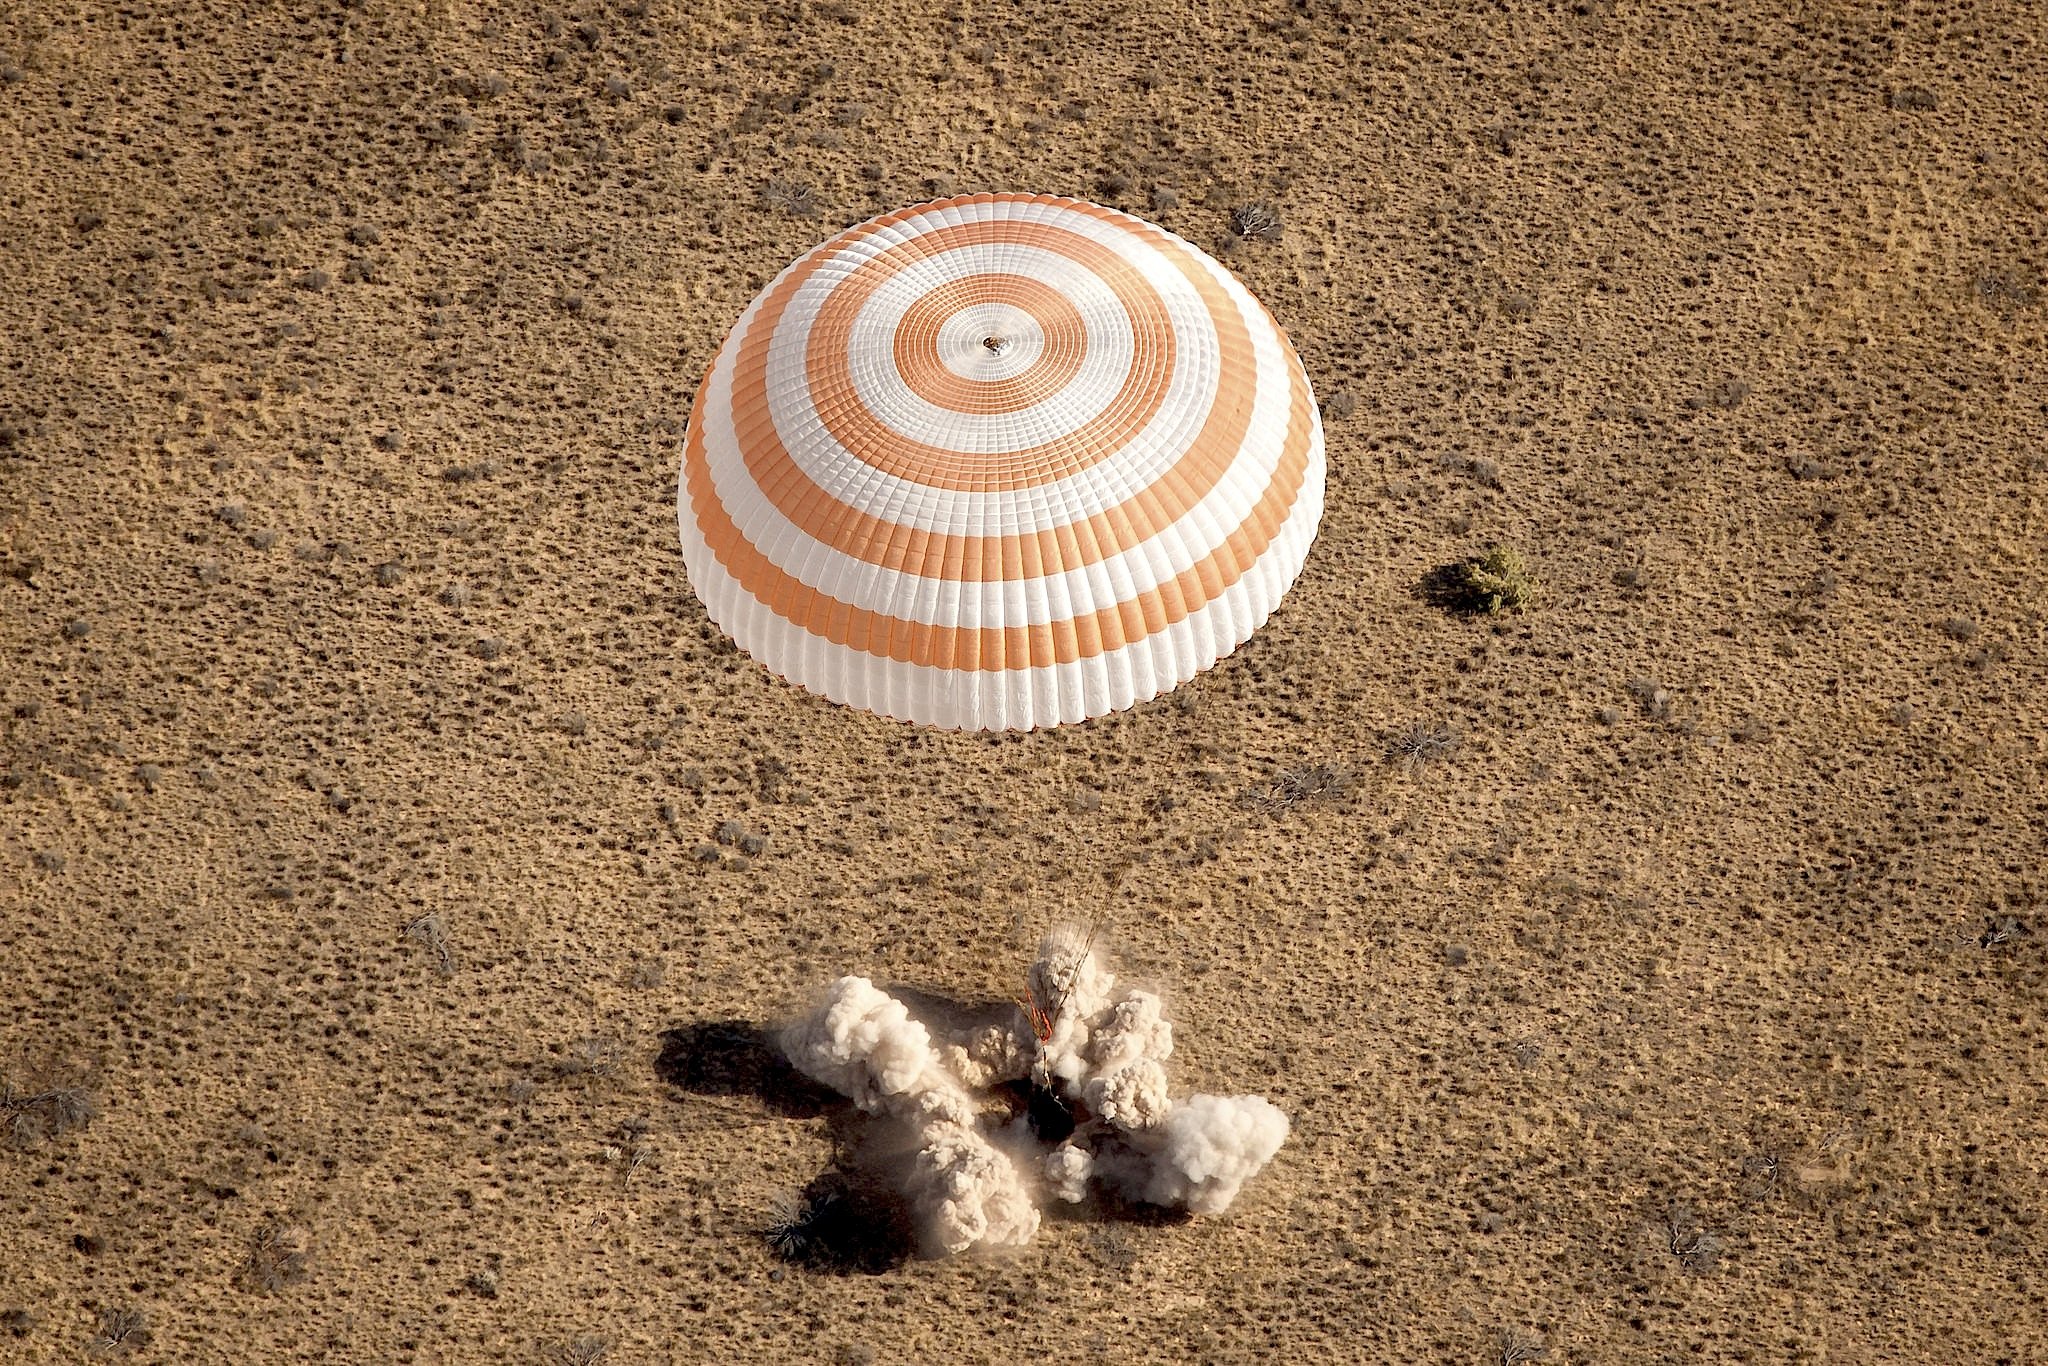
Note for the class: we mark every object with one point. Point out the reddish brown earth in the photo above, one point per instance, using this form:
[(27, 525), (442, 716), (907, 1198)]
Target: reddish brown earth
[(1690, 1009)]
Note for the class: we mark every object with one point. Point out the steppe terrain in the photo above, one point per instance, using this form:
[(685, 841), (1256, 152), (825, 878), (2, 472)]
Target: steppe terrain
[(1655, 974)]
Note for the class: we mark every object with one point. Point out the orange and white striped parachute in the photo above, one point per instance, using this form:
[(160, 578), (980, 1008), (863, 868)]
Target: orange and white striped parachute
[(1000, 461)]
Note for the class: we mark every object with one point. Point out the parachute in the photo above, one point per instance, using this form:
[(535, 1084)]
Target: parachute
[(999, 462)]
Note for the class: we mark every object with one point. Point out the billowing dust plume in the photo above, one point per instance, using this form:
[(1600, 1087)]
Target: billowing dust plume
[(963, 1189), (976, 1166)]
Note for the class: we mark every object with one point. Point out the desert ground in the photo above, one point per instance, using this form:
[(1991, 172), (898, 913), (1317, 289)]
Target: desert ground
[(397, 867)]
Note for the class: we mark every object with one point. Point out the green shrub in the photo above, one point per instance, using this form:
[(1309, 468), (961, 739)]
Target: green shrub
[(1498, 581)]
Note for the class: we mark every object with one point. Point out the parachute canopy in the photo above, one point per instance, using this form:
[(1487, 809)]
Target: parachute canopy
[(998, 462)]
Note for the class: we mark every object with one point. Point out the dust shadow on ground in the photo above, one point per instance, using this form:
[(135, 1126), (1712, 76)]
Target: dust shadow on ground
[(948, 1014), (846, 1220), (1105, 1206), (736, 1058)]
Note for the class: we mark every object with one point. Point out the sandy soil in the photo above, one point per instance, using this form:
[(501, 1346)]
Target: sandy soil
[(366, 753)]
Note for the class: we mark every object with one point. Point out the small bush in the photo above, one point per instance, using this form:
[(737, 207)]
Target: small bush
[(1314, 783), (2002, 930), (592, 1057), (791, 197), (277, 1259), (794, 1224), (1418, 744), (1256, 222), (1498, 581), (1653, 697), (432, 931), (33, 1117), (840, 1223), (1696, 1248), (736, 834), (121, 1331), (2006, 289)]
